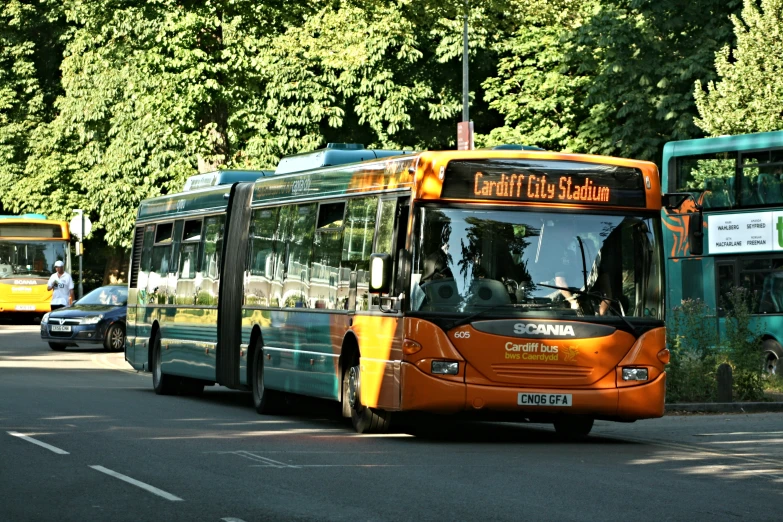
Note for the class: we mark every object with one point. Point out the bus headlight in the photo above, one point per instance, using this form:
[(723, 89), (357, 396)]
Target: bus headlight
[(445, 367), (635, 374)]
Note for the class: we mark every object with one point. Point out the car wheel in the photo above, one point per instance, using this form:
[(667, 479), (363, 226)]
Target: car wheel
[(115, 338), (363, 418), (266, 401), (57, 347), (162, 384)]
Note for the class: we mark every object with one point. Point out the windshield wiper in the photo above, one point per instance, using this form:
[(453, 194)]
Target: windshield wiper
[(469, 318), (610, 300)]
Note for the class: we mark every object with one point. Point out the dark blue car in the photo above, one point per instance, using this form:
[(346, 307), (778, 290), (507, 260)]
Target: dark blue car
[(96, 318)]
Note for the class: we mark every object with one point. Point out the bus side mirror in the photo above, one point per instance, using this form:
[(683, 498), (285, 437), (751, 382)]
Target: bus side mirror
[(696, 234), (380, 273), (674, 202)]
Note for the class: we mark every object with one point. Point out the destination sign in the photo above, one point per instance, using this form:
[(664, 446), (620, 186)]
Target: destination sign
[(545, 181), (745, 232)]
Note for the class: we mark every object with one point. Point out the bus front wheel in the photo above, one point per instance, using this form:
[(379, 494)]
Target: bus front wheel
[(573, 427), (363, 418)]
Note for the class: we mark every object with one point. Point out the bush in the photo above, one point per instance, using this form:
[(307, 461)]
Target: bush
[(696, 352), (741, 347), (692, 343)]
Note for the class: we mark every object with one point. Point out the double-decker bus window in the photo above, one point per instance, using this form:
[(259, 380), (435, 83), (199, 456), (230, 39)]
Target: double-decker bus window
[(358, 240), (296, 284), (207, 279), (710, 178), (263, 224), (327, 252)]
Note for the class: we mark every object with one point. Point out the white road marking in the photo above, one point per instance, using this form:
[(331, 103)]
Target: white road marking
[(39, 443), (231, 519), (137, 483), (265, 461)]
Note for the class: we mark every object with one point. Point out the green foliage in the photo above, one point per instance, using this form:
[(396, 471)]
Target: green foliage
[(748, 97), (608, 76), (694, 357), (741, 346), (696, 352)]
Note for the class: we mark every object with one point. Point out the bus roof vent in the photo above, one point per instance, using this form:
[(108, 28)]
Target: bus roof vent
[(514, 146), (333, 154), (223, 177)]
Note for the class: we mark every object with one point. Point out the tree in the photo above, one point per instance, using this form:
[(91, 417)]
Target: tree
[(609, 76), (749, 95)]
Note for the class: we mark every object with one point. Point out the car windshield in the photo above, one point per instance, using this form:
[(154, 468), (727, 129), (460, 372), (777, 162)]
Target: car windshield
[(106, 295), (556, 264), (30, 258)]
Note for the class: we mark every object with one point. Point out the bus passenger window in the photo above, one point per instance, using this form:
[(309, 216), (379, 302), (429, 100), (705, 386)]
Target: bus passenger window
[(260, 263), (208, 278), (296, 284), (325, 268), (357, 247)]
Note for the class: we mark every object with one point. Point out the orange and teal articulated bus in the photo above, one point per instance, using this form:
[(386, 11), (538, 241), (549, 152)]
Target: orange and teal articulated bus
[(731, 201), (510, 284), (29, 246)]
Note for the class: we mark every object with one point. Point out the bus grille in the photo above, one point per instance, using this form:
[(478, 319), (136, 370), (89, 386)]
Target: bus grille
[(516, 371)]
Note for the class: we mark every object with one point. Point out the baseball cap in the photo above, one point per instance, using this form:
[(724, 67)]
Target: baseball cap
[(58, 263)]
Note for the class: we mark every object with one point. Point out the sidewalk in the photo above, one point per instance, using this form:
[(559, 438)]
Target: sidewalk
[(724, 407)]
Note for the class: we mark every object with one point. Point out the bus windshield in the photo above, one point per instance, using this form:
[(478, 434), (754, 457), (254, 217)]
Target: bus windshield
[(466, 260), (30, 258)]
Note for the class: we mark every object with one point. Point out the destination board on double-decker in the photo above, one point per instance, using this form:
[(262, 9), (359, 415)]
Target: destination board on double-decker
[(545, 181)]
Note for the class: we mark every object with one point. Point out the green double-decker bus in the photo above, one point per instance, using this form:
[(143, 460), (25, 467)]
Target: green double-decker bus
[(737, 184)]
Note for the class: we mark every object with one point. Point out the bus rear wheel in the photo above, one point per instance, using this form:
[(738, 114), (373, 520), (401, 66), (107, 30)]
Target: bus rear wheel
[(266, 401), (363, 418), (162, 384), (773, 352), (573, 428)]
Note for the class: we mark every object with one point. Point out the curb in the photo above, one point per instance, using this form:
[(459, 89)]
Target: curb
[(725, 407)]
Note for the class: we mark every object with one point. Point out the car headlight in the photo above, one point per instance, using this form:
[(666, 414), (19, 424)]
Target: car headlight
[(45, 318), (93, 319)]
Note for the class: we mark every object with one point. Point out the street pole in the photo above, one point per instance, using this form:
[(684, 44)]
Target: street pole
[(465, 93), (80, 249)]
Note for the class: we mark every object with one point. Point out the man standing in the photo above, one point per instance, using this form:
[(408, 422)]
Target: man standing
[(62, 285)]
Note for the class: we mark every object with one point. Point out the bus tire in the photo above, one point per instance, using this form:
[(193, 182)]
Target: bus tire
[(773, 352), (265, 401), (162, 384), (573, 427), (115, 338), (189, 386), (363, 418), (57, 347)]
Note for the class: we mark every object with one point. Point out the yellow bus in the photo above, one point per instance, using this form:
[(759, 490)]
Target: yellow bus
[(29, 246), (522, 285)]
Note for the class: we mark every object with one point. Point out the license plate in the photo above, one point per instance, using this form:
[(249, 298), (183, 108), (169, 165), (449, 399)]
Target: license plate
[(60, 328), (544, 399), (25, 308)]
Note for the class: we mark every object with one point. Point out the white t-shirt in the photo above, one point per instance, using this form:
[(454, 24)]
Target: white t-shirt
[(62, 286)]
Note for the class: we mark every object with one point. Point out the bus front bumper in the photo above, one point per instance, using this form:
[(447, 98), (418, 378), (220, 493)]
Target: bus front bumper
[(422, 392)]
